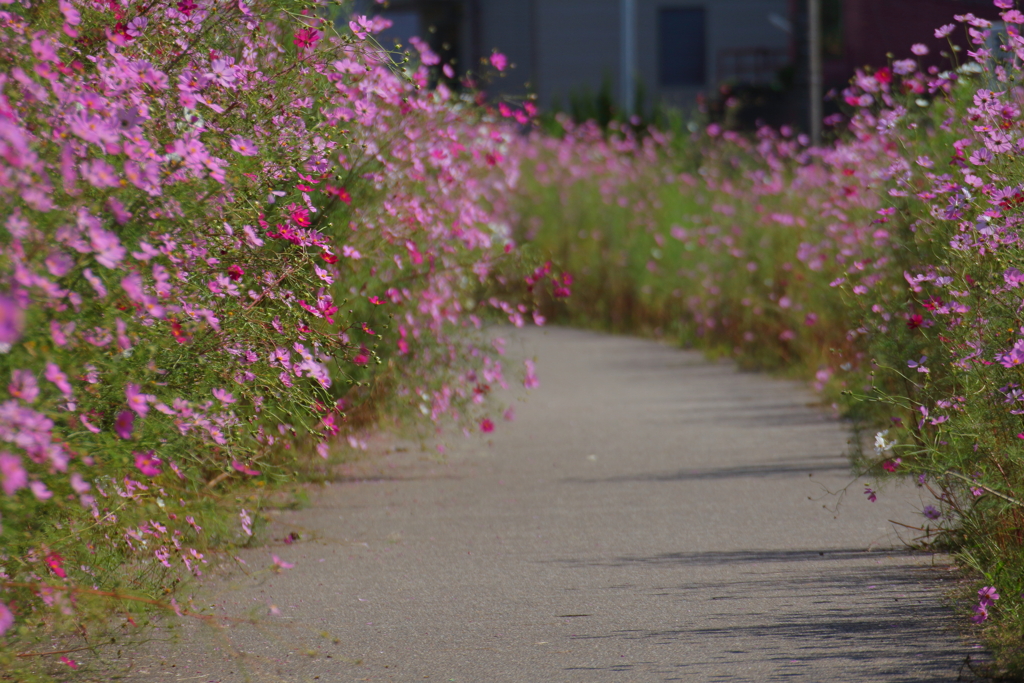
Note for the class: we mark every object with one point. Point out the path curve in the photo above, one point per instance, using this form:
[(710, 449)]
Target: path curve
[(649, 516)]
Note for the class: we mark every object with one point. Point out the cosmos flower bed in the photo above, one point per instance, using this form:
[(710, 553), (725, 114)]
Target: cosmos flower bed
[(234, 233), (885, 268)]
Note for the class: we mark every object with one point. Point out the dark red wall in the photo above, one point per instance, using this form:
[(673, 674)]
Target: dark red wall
[(873, 28)]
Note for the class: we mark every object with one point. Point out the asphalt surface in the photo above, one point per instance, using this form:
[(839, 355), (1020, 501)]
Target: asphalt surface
[(649, 516)]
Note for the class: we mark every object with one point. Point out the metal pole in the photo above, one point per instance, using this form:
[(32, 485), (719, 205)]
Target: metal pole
[(628, 79), (535, 50), (814, 50)]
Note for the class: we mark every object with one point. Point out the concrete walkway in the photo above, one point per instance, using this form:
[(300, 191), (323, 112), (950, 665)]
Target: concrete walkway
[(649, 516)]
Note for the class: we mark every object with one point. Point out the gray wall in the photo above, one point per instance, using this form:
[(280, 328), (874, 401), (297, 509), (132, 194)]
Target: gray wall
[(729, 24), (558, 46), (565, 46), (508, 26), (578, 46)]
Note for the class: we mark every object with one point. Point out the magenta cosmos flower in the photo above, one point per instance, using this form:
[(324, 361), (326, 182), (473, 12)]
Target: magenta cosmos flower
[(12, 320), (148, 463), (124, 423)]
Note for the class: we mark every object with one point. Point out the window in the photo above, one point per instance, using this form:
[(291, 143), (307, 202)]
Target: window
[(832, 29), (681, 46)]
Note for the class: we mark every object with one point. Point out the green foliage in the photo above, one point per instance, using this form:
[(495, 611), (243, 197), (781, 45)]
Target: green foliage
[(886, 269)]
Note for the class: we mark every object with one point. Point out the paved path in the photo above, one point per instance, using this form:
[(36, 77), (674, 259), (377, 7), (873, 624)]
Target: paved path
[(646, 518)]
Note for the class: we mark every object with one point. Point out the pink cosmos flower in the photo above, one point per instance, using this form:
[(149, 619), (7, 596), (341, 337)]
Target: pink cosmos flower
[(44, 49), (148, 463), (1013, 357), (12, 473), (192, 82), (222, 70), (281, 356), (379, 23), (246, 520), (53, 374), (244, 146), (39, 490), (486, 425), (339, 192), (323, 274), (132, 286), (71, 16), (561, 286), (138, 401), (986, 598), (100, 174), (12, 320), (499, 61), (531, 381), (325, 307), (223, 396), (78, 484), (280, 564), (919, 49), (244, 469), (24, 386), (59, 264), (88, 425), (137, 26), (107, 246), (6, 619), (981, 157), (92, 128), (329, 425), (361, 26), (904, 67), (1013, 277), (427, 56)]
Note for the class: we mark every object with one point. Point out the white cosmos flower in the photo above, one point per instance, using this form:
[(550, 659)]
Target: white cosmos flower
[(881, 445)]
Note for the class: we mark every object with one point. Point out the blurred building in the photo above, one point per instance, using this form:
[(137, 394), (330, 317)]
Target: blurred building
[(864, 32), (562, 47), (670, 50)]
